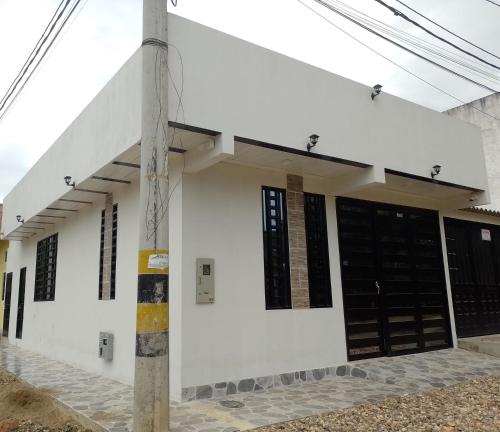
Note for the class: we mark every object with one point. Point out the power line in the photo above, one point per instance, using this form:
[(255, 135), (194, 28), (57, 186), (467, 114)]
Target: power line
[(24, 70), (449, 31), (492, 2), (31, 53), (337, 11), (423, 45), (415, 23), (75, 5), (392, 61)]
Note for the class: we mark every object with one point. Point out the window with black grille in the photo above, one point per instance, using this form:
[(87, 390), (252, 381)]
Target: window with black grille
[(114, 236), (101, 253), (276, 259), (45, 274), (318, 260)]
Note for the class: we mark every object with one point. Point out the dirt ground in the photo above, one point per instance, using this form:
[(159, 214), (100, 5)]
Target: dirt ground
[(27, 409), (472, 406)]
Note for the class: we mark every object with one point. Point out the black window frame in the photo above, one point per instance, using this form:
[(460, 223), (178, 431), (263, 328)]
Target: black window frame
[(114, 241), (318, 253), (283, 299), (46, 269)]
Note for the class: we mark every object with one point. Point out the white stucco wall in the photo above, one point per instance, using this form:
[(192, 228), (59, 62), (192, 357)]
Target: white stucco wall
[(236, 337), (68, 328), (108, 126), (234, 86), (490, 131)]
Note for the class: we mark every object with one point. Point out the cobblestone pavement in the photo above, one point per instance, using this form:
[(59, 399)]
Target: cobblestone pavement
[(109, 403)]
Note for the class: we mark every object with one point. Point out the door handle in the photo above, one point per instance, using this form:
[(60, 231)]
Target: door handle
[(378, 287)]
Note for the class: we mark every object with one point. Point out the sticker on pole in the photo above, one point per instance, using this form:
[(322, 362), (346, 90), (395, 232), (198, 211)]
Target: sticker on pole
[(486, 235), (158, 261)]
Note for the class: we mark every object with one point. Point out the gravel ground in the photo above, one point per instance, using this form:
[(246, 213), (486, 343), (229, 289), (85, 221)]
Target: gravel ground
[(473, 406)]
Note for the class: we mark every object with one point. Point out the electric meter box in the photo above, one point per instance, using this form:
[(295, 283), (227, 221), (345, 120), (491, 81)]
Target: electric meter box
[(106, 345), (205, 282)]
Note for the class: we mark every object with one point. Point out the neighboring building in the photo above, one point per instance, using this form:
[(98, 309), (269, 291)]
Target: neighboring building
[(4, 245), (319, 257), (473, 112), (476, 272)]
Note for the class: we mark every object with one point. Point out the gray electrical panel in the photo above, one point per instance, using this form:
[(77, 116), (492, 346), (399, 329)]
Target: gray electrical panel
[(205, 286), (106, 345)]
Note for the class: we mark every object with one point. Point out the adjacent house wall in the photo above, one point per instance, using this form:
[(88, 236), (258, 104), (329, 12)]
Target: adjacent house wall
[(490, 131)]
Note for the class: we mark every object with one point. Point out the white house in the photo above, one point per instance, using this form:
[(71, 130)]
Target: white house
[(320, 256)]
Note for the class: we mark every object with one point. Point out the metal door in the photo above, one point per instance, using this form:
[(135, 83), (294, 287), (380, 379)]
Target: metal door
[(6, 312), (474, 263), (392, 278), (20, 304)]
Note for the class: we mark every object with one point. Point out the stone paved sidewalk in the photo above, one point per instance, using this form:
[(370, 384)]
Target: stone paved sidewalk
[(109, 403)]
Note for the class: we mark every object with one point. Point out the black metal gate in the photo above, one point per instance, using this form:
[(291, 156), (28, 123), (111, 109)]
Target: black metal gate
[(474, 265), (392, 279), (6, 311), (20, 304)]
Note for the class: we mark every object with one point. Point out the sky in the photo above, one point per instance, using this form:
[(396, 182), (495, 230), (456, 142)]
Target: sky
[(105, 33)]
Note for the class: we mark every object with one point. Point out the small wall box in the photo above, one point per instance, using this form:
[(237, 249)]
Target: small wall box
[(106, 340), (205, 287)]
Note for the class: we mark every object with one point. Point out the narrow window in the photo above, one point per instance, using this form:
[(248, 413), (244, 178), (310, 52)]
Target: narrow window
[(318, 261), (276, 260), (101, 254), (107, 258), (45, 274), (20, 304), (3, 286), (114, 237)]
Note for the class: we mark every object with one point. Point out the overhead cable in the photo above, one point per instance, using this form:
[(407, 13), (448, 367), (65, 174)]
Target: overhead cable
[(31, 57), (40, 59), (415, 23), (32, 51), (393, 62), (448, 31), (457, 74), (469, 65)]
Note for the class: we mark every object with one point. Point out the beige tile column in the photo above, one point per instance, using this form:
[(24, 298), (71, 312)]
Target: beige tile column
[(107, 250), (299, 278)]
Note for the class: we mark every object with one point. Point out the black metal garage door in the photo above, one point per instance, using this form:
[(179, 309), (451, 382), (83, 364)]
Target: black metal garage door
[(392, 279), (474, 265)]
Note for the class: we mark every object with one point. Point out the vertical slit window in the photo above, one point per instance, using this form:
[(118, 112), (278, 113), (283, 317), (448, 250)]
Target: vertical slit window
[(45, 274), (276, 259), (20, 304), (114, 237), (107, 257), (318, 259), (101, 254)]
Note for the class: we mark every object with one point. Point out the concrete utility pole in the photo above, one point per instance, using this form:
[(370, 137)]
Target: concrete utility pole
[(151, 390)]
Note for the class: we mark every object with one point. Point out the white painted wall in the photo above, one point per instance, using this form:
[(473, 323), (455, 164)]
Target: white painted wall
[(234, 86), (236, 337), (108, 126), (67, 329)]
